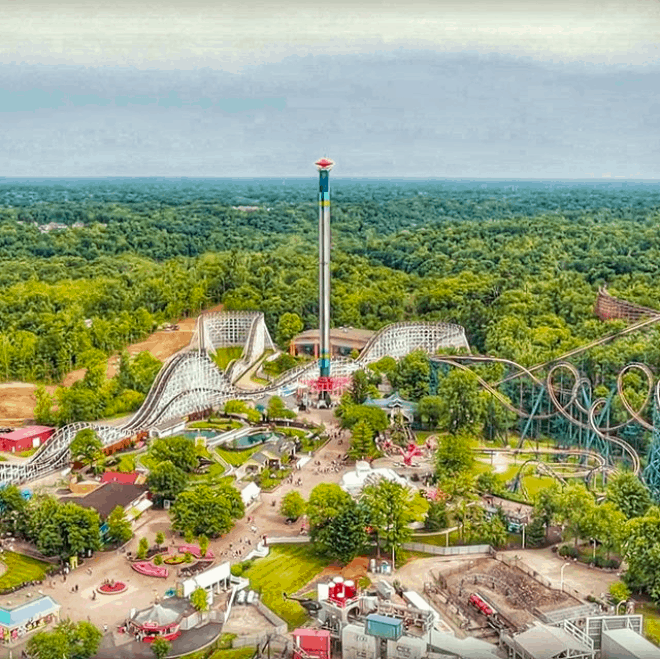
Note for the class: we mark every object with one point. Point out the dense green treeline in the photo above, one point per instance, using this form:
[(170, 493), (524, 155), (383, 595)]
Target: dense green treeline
[(522, 286)]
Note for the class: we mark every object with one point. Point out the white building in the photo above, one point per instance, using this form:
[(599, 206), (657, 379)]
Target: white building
[(353, 482), (212, 581)]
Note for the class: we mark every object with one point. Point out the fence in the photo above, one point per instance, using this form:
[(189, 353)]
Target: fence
[(521, 565), (290, 540), (280, 627), (460, 550)]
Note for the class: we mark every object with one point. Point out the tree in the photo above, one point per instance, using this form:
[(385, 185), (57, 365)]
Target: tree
[(119, 528), (179, 450), (362, 442), (462, 405), (326, 501), (642, 552), (628, 494), (62, 529), (345, 536), (492, 532), (391, 508), (87, 448), (198, 598), (68, 639), (203, 545), (143, 548), (160, 647), (288, 326), (360, 388), (535, 533), (43, 409), (619, 592), (207, 510), (546, 505), (160, 538), (436, 517), (235, 407), (453, 456), (606, 524), (431, 408), (167, 481), (411, 375), (13, 510), (352, 414), (293, 505), (575, 508), (277, 409)]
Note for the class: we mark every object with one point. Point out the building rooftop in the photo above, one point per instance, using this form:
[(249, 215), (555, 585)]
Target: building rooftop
[(106, 498), (22, 433), (12, 616), (635, 644), (119, 477), (545, 642), (353, 481)]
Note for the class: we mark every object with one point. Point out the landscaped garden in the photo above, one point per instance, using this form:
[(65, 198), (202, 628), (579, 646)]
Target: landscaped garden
[(112, 587), (285, 570), (237, 457), (21, 569)]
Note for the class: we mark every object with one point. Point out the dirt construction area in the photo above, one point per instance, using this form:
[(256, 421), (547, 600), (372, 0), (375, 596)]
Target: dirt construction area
[(17, 398), (514, 594)]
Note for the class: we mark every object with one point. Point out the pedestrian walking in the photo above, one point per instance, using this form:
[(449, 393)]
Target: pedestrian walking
[(105, 629)]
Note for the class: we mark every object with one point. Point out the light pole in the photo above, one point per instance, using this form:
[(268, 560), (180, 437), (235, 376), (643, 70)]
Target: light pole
[(523, 536), (561, 582)]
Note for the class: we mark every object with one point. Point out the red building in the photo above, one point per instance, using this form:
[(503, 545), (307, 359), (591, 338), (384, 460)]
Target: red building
[(23, 439), (314, 643)]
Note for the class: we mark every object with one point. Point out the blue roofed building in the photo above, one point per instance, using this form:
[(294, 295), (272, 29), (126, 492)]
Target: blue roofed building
[(17, 621)]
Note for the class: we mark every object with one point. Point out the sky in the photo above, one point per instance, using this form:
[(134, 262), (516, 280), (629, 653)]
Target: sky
[(481, 89)]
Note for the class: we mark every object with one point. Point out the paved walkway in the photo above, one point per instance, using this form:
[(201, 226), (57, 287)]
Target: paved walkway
[(112, 610)]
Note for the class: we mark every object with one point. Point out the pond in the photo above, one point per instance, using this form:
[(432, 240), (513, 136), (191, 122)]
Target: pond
[(257, 438), (209, 434)]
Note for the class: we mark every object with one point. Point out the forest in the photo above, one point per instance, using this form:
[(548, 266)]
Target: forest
[(517, 263)]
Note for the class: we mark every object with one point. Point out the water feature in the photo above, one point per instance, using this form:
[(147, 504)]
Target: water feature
[(258, 438)]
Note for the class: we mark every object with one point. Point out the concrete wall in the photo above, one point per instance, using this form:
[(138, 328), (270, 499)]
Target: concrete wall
[(463, 550)]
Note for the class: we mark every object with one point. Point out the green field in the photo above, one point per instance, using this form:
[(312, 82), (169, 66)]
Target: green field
[(237, 458), (285, 570), (20, 569), (223, 356)]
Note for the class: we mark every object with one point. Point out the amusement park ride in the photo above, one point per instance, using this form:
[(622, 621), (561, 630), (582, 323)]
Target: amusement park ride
[(552, 399)]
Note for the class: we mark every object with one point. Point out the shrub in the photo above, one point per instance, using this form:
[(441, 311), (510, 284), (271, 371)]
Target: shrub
[(237, 569), (188, 557), (158, 559), (568, 551)]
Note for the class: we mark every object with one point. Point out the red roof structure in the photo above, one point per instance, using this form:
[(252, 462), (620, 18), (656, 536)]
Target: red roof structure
[(119, 477), (26, 438)]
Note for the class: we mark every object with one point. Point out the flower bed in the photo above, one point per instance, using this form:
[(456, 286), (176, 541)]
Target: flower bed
[(174, 560), (194, 550), (112, 588), (150, 570)]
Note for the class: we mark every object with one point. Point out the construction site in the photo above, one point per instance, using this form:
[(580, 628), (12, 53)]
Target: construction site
[(484, 607)]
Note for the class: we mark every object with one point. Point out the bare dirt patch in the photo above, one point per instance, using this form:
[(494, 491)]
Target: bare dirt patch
[(512, 592), (357, 568), (17, 398)]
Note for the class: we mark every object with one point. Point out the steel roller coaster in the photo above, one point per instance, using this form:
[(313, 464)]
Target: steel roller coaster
[(190, 382), (555, 398)]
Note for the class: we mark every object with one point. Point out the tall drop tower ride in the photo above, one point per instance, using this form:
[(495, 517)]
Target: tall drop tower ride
[(324, 165)]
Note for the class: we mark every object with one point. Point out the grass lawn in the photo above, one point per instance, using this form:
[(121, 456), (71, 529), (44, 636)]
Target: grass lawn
[(651, 620), (237, 458), (223, 356), (221, 424), (222, 653), (285, 570), (20, 569)]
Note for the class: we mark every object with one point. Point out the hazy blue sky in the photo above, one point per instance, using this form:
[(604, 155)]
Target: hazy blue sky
[(438, 88)]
